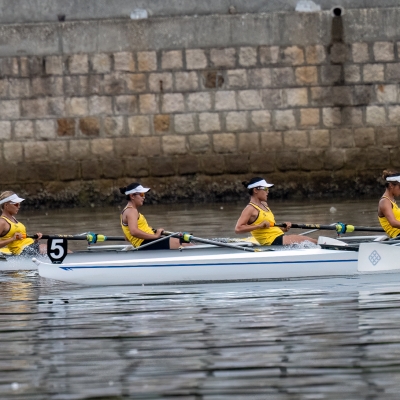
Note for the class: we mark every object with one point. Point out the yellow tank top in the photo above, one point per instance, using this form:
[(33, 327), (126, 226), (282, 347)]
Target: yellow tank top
[(265, 236), (392, 232), (142, 225), (16, 246)]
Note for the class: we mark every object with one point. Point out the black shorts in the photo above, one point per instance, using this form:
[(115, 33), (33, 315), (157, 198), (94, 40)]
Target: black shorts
[(161, 245), (32, 250), (278, 241)]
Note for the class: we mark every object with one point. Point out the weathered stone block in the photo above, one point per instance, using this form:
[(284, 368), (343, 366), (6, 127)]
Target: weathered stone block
[(315, 54), (160, 82), (363, 94), (114, 83), (236, 121), (5, 130), (341, 138), (376, 116), (35, 151), (124, 61), (212, 164), (311, 160), (342, 96), (292, 55), (287, 160), (54, 65), (45, 129), (187, 165), (114, 126), (225, 100), (223, 57), (296, 139), (331, 117), (248, 142), (79, 149), (394, 115), (24, 129), (172, 103), (319, 138), (78, 64), (364, 137), (209, 122), (34, 108), (57, 150), (284, 119), (89, 126), (100, 105), (161, 123), (259, 77), (125, 147), (271, 140), (269, 54), (386, 93), (200, 101), (147, 61), (75, 85), (352, 73), (309, 117), (148, 104), (387, 136), (196, 59), (331, 74), (91, 169), (236, 165), (9, 66), (322, 96), (150, 146), (296, 97), (9, 109), (125, 104), (273, 98), (378, 158), (49, 86), (373, 73), (237, 78), (334, 159), (77, 106), (171, 59), (137, 166), (101, 63), (262, 162), (102, 148), (282, 77), (199, 143), (135, 82), (185, 81), (68, 170), (212, 79), (184, 123), (247, 56), (383, 51), (224, 142), (65, 127), (360, 52), (249, 100), (113, 169), (18, 88), (36, 66), (339, 53), (307, 75), (261, 120), (13, 152), (393, 72), (352, 116), (139, 125), (174, 145)]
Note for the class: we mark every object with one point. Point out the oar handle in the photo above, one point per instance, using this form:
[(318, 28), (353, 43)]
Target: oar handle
[(339, 227)]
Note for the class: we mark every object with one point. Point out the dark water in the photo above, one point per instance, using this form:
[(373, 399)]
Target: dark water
[(322, 339)]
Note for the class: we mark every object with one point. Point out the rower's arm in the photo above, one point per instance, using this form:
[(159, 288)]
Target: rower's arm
[(242, 225), (4, 228), (132, 218), (387, 210)]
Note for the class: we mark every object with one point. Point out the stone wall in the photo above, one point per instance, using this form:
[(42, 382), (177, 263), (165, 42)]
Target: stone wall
[(315, 109)]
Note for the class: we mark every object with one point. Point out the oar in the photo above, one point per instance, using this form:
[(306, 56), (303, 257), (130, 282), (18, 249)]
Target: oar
[(90, 237), (187, 237), (339, 227)]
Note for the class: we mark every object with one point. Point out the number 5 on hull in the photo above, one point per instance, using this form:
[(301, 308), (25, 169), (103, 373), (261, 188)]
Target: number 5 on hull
[(57, 250)]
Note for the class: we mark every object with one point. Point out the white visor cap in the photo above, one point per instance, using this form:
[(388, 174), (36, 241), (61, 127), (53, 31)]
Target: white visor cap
[(262, 183), (393, 178), (138, 189), (13, 199)]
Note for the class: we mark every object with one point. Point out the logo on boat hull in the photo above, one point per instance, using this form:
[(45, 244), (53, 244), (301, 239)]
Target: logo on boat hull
[(374, 257)]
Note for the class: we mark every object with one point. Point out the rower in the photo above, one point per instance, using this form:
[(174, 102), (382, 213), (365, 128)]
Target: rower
[(257, 218), (388, 210), (13, 232), (135, 227)]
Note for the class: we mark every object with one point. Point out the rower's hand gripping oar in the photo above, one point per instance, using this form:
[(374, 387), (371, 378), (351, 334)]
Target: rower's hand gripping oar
[(339, 227)]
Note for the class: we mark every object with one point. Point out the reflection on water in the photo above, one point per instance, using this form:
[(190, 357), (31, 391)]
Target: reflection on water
[(322, 339)]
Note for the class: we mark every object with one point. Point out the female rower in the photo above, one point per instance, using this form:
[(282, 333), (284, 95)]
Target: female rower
[(388, 210), (134, 225), (257, 218), (13, 232)]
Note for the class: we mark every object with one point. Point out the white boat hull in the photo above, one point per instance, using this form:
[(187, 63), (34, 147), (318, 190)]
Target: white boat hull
[(203, 265)]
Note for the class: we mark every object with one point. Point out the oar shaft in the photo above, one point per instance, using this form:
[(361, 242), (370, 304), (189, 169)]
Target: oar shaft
[(331, 227), (100, 238)]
